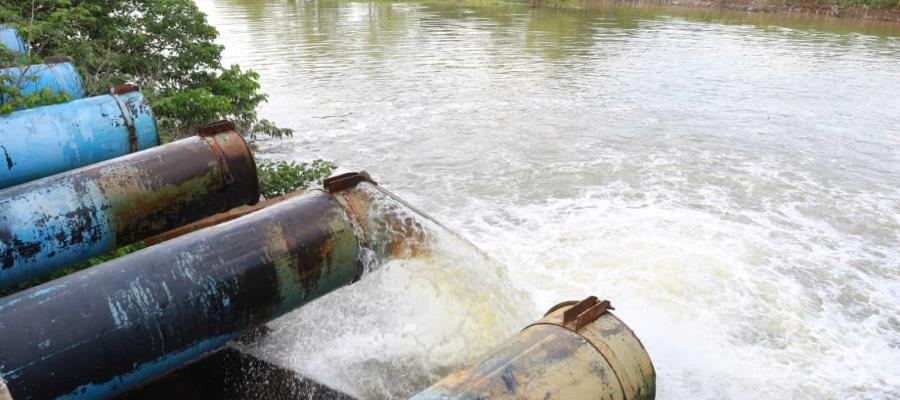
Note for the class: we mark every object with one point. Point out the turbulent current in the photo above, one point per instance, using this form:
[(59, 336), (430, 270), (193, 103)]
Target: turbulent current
[(731, 182)]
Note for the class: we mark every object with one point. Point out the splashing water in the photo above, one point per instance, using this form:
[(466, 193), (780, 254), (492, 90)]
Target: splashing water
[(408, 321)]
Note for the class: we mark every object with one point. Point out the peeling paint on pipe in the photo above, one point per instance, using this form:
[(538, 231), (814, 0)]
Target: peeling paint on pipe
[(577, 351), (10, 39), (100, 331), (60, 220), (43, 141), (58, 75)]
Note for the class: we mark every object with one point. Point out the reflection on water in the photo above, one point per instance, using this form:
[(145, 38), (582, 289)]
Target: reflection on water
[(729, 180)]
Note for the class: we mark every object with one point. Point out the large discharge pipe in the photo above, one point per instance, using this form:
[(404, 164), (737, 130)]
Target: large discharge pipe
[(60, 220), (58, 75), (577, 351), (97, 332), (47, 140)]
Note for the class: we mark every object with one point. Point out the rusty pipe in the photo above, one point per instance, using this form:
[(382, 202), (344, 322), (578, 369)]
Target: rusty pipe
[(386, 230), (102, 330), (579, 350), (63, 219), (213, 220)]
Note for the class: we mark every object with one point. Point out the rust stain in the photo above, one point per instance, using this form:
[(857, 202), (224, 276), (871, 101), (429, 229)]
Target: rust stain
[(180, 185), (218, 219)]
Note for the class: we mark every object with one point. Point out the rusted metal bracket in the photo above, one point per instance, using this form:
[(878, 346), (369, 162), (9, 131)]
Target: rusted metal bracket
[(582, 312), (115, 92), (582, 318), (346, 181), (207, 132)]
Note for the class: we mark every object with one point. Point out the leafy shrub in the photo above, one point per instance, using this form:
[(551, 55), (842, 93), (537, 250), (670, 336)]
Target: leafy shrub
[(166, 46), (277, 178)]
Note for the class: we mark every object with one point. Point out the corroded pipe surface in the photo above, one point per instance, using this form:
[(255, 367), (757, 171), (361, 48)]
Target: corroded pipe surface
[(10, 39), (218, 219), (105, 329), (390, 235), (58, 76), (43, 141), (67, 218), (577, 351)]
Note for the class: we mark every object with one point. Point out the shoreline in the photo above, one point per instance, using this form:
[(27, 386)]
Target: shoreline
[(862, 13), (857, 12)]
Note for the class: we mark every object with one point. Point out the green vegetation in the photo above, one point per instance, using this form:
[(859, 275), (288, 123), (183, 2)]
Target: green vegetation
[(279, 178), (166, 46)]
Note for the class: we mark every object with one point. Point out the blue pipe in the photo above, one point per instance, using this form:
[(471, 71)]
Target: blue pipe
[(43, 141), (59, 78), (10, 39), (100, 331)]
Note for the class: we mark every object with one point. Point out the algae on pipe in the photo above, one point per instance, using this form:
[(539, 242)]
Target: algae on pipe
[(47, 140), (67, 218), (58, 75), (103, 330)]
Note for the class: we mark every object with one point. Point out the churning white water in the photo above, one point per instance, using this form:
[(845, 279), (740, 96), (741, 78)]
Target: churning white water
[(406, 323), (731, 182)]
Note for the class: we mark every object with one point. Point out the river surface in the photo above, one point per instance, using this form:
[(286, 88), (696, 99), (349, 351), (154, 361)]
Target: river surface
[(730, 181)]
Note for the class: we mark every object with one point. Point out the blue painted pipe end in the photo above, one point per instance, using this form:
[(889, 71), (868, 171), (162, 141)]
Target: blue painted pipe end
[(59, 78), (44, 141), (10, 39)]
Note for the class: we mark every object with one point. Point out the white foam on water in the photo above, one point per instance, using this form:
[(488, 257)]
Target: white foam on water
[(774, 285), (406, 323), (795, 298)]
